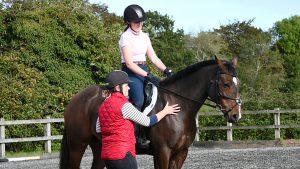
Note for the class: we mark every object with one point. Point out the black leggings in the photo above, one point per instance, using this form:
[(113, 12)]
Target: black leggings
[(129, 162)]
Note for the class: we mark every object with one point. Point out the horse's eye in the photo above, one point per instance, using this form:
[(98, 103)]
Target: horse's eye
[(226, 85)]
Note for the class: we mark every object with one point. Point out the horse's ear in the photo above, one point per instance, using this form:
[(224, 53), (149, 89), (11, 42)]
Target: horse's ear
[(234, 61), (216, 57), (220, 63)]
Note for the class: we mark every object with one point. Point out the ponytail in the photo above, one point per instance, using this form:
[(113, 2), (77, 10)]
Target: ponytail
[(126, 27)]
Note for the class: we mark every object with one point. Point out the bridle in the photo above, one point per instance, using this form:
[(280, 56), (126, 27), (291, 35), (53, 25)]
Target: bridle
[(219, 95)]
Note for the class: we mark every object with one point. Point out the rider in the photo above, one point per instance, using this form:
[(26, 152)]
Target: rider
[(134, 45), (117, 116)]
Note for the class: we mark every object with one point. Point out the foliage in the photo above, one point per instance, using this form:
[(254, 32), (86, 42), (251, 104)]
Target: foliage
[(51, 52), (169, 45), (52, 49), (206, 45), (287, 34), (262, 69)]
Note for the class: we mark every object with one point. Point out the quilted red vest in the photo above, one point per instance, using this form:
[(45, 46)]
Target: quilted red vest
[(117, 133)]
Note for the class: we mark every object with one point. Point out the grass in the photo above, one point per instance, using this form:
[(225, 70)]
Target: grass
[(26, 154)]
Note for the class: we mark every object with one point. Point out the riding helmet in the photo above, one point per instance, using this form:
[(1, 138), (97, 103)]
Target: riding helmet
[(115, 78), (134, 13)]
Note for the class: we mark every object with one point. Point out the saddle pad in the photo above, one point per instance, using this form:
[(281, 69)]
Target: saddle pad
[(153, 101)]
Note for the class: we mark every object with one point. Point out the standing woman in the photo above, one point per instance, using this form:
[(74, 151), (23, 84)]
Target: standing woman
[(117, 117), (135, 45)]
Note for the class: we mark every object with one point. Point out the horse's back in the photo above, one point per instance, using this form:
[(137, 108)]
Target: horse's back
[(80, 124), (83, 107)]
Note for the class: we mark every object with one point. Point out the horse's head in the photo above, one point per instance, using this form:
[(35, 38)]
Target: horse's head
[(224, 90)]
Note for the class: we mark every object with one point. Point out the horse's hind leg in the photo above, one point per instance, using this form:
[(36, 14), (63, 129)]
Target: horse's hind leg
[(95, 145), (76, 153)]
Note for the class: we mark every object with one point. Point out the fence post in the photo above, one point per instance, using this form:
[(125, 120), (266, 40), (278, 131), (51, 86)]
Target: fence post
[(197, 128), (229, 132), (48, 133), (2, 137), (277, 125)]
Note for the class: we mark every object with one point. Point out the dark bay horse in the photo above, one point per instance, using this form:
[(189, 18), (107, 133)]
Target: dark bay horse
[(171, 137)]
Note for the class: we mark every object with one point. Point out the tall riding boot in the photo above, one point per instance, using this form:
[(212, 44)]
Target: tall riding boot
[(141, 140)]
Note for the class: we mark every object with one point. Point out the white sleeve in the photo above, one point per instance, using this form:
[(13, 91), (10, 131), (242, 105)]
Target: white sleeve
[(131, 113), (124, 41)]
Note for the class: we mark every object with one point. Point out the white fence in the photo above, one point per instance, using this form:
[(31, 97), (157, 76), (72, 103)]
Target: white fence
[(276, 126), (47, 133), (48, 137)]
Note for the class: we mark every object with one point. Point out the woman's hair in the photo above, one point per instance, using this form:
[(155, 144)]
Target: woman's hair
[(128, 25)]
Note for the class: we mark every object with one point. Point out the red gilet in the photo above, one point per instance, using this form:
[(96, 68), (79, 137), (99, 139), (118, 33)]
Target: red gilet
[(117, 133)]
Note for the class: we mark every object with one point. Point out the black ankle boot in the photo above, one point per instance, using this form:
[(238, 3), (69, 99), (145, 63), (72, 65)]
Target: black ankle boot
[(143, 143), (141, 140)]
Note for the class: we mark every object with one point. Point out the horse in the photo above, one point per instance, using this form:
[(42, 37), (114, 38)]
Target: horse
[(214, 79)]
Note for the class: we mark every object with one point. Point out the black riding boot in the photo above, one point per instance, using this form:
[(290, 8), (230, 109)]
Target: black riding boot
[(141, 140)]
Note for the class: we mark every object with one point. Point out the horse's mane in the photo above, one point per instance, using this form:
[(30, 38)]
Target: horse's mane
[(193, 68), (187, 70)]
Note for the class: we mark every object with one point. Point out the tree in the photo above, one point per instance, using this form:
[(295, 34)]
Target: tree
[(49, 51), (168, 44), (206, 45), (287, 35), (261, 68)]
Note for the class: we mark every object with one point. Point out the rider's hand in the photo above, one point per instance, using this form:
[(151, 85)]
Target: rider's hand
[(153, 79), (168, 72)]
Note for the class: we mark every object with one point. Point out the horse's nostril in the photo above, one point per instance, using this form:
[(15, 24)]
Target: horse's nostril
[(235, 118)]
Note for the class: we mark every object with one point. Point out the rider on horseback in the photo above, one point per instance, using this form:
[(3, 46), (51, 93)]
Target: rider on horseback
[(135, 45), (117, 116)]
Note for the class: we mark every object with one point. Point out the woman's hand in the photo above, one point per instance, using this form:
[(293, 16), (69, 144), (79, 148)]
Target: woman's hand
[(173, 109)]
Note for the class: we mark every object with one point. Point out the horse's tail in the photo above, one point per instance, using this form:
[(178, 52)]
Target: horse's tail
[(64, 152)]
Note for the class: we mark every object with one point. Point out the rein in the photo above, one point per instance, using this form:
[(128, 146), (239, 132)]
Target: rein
[(187, 98)]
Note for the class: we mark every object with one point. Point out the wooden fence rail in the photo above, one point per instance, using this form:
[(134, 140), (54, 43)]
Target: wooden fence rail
[(47, 133), (276, 126), (48, 137)]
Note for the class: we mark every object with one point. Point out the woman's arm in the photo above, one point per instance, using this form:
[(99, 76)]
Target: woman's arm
[(154, 59), (131, 113)]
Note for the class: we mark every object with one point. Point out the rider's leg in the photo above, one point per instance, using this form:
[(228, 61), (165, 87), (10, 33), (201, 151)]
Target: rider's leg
[(136, 96)]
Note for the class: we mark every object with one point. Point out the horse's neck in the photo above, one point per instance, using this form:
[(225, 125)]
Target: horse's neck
[(192, 89)]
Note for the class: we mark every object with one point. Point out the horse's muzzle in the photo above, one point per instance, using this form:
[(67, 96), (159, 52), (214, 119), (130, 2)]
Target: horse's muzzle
[(232, 117)]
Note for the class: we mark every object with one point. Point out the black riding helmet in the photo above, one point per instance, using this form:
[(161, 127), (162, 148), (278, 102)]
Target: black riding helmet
[(115, 78), (134, 13)]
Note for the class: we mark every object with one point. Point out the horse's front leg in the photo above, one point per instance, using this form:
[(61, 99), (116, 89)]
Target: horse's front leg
[(177, 159), (161, 157)]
